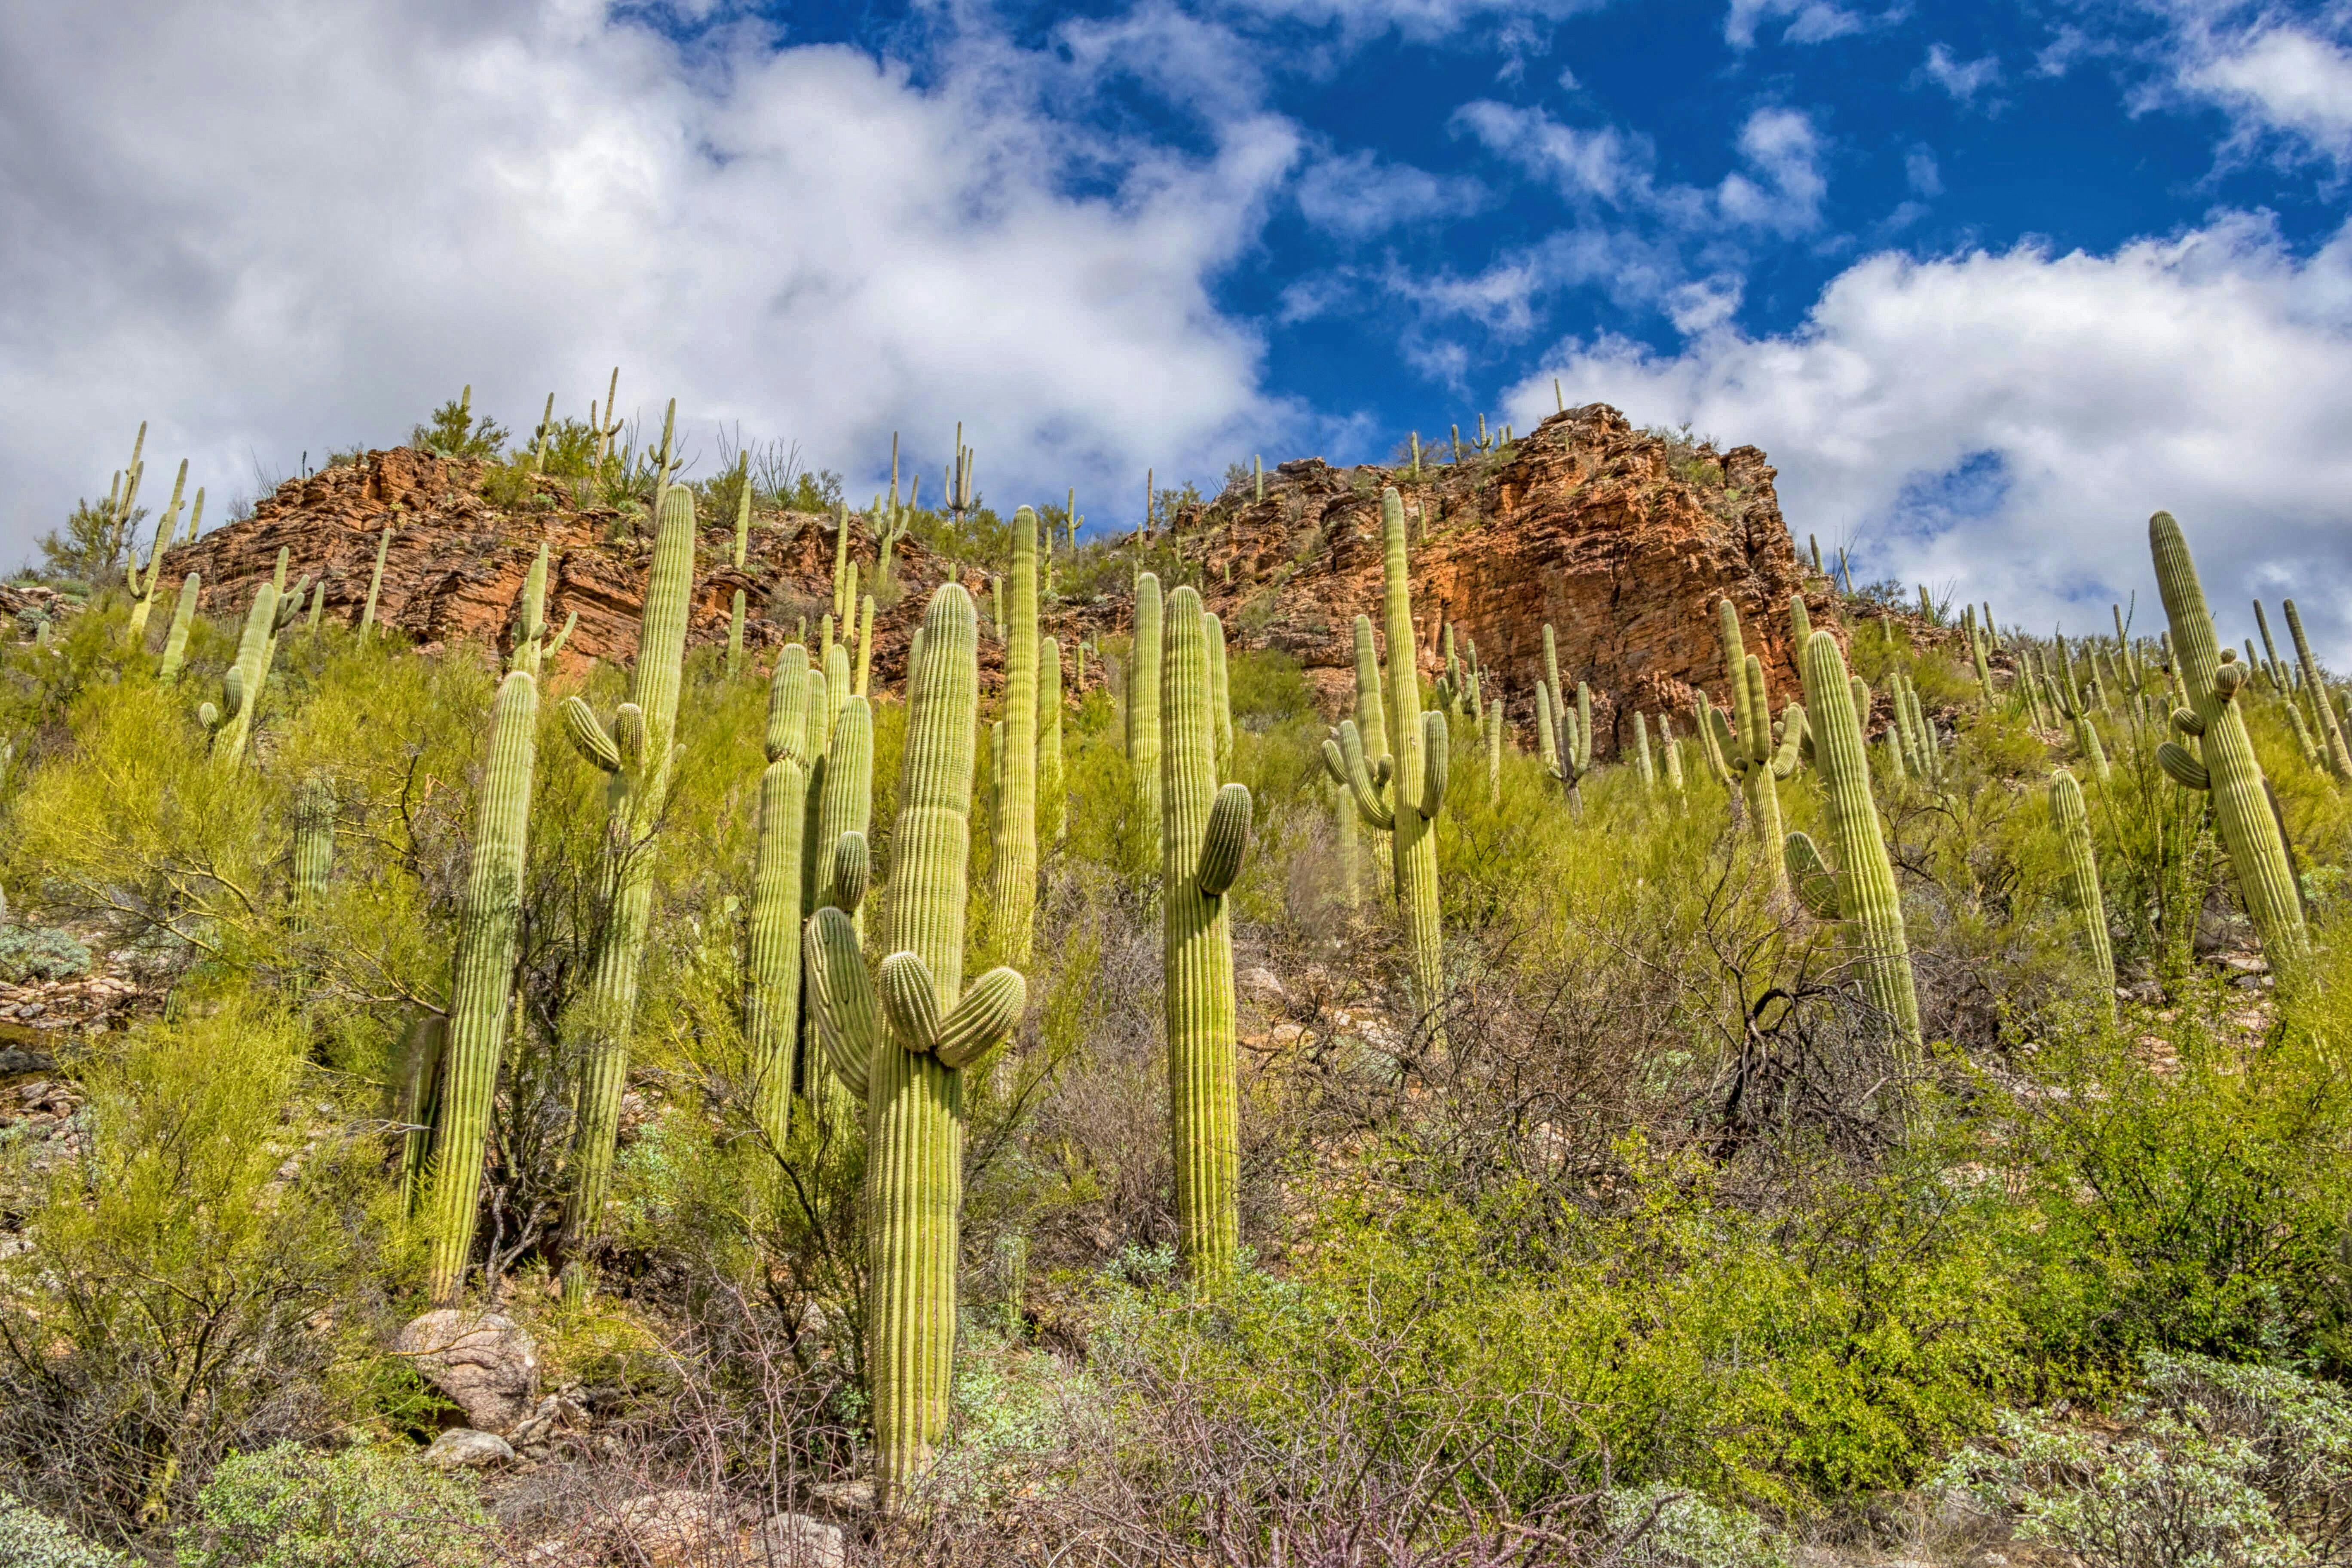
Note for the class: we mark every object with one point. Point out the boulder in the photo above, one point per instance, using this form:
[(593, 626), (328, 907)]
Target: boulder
[(797, 1540), (463, 1449), (485, 1363)]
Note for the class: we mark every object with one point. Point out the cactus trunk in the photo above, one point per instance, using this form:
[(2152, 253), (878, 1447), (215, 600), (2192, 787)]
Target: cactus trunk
[(2074, 825), (636, 754), (1013, 881), (175, 641), (1143, 711), (1201, 845), (480, 979), (772, 989)]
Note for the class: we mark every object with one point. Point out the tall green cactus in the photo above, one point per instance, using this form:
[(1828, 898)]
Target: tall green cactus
[(903, 1046), (845, 813), (2074, 825), (1013, 873), (1372, 708), (1643, 768), (2325, 733), (1742, 750), (1143, 709), (1494, 729), (772, 983), (375, 581), (1571, 731), (1402, 793), (1052, 788), (1862, 892), (735, 638), (314, 847), (144, 581), (635, 752), (480, 978), (2241, 808), (241, 687), (1220, 695), (2067, 698), (1204, 831), (175, 641), (1673, 752)]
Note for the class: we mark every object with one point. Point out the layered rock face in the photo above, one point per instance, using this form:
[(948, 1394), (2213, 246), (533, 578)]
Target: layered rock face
[(1622, 541)]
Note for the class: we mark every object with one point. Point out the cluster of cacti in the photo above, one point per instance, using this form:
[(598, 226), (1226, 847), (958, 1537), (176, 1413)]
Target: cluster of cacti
[(1742, 751), (1400, 791), (901, 1040), (1203, 831), (1859, 890), (2225, 764), (634, 752), (1915, 732)]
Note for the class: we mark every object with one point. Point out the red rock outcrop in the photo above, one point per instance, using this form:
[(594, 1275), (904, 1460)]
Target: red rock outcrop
[(1622, 541)]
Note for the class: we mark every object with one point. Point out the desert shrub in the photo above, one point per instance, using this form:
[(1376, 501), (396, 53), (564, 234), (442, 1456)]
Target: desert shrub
[(163, 1313), (2216, 1465), (1670, 1527), (40, 952), (30, 1539), (364, 1507)]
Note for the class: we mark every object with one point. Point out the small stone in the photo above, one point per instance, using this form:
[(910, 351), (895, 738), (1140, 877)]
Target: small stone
[(1262, 984), (484, 1361), (850, 1498), (796, 1540), (463, 1449)]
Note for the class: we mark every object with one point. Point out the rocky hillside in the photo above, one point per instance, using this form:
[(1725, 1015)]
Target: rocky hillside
[(1622, 541)]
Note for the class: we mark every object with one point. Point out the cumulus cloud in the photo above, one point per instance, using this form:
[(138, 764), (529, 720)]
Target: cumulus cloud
[(2280, 81), (2006, 422), (267, 237), (1359, 194), (1780, 190)]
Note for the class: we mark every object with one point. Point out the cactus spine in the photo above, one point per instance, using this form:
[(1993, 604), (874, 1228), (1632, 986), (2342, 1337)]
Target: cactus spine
[(1143, 708), (1203, 833), (2325, 733), (903, 1046), (175, 641), (1014, 872), (635, 752), (1402, 793), (772, 989), (2074, 825), (2241, 809), (480, 978), (1863, 891)]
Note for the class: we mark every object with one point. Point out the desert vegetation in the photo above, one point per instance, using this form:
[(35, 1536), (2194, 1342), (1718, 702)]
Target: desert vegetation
[(727, 1109)]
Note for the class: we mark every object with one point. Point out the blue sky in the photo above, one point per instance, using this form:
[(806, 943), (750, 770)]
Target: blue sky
[(1988, 283)]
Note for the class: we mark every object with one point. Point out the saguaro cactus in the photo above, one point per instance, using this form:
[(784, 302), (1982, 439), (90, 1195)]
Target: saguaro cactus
[(634, 752), (375, 580), (2326, 734), (2241, 809), (1143, 708), (314, 847), (1203, 831), (144, 583), (1743, 748), (2074, 825), (1402, 793), (1013, 878), (903, 1046), (480, 978), (175, 641), (1641, 765), (772, 985), (1053, 791), (1862, 889), (1221, 698)]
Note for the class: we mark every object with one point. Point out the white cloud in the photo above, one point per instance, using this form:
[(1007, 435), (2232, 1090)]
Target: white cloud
[(2007, 422), (1785, 149), (2277, 80), (1781, 193), (271, 236), (1810, 21), (1963, 79), (1359, 194), (1415, 20), (1605, 164), (1920, 172)]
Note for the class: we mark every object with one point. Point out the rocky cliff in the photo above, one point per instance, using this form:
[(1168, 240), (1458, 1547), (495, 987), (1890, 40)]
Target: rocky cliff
[(1622, 541)]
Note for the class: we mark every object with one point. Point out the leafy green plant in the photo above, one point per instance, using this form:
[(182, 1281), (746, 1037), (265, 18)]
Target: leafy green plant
[(40, 952), (364, 1507)]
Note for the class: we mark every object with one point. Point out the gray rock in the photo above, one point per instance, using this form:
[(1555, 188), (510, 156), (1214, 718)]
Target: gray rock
[(463, 1449), (845, 1498), (557, 1413), (1262, 984), (485, 1363), (796, 1540)]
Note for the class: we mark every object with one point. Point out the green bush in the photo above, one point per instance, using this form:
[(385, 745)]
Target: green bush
[(40, 952), (290, 1507), (30, 1539)]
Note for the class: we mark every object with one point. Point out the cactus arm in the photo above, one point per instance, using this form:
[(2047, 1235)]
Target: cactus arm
[(1372, 708), (983, 1019), (175, 641), (1793, 742), (1755, 713), (841, 999), (1717, 743), (1815, 886), (2181, 767), (1359, 780), (846, 890), (1224, 840), (910, 1002), (1546, 743), (588, 736), (1436, 763)]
